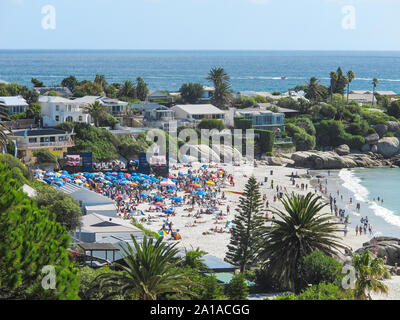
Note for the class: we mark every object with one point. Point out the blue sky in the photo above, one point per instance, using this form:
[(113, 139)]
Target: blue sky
[(201, 24)]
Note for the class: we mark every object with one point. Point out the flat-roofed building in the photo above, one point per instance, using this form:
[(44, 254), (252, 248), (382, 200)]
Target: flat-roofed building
[(192, 114), (13, 105), (29, 141)]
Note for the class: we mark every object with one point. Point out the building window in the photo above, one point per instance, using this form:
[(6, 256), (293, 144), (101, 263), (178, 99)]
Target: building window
[(57, 108), (61, 138), (57, 118), (32, 140), (80, 118)]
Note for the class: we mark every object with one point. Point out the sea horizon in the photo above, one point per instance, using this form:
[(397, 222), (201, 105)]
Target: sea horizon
[(165, 69)]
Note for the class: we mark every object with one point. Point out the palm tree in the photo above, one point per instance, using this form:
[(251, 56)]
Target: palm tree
[(334, 79), (350, 77), (222, 96), (375, 82), (152, 268), (96, 111), (127, 90), (218, 76), (314, 91), (300, 229), (369, 272), (3, 129)]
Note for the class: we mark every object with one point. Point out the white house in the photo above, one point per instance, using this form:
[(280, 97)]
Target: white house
[(192, 114), (12, 105), (57, 109)]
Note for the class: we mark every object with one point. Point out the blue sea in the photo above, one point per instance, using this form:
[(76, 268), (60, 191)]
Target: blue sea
[(168, 70), (364, 186)]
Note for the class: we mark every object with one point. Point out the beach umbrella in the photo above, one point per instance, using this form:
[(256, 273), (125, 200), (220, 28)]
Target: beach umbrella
[(86, 185), (127, 175), (113, 174), (142, 195), (176, 199), (204, 166), (160, 204), (196, 178), (133, 184), (167, 183), (158, 198), (162, 233), (196, 185), (210, 182), (172, 177), (78, 181), (201, 193), (170, 191), (198, 189)]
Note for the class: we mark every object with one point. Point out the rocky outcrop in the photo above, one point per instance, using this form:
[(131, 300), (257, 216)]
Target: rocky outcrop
[(366, 148), (342, 150), (277, 161), (331, 160), (388, 146), (384, 247), (372, 138), (381, 129), (393, 126)]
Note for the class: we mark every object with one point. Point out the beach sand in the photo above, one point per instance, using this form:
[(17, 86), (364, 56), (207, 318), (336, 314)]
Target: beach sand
[(216, 243)]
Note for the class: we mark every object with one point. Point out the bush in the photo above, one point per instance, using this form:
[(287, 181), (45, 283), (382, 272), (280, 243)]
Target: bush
[(358, 128), (306, 124), (318, 267), (211, 124), (45, 156), (375, 117), (328, 133), (302, 140), (324, 291), (237, 289), (389, 134), (327, 111), (242, 123), (13, 162), (265, 140), (354, 142), (394, 109)]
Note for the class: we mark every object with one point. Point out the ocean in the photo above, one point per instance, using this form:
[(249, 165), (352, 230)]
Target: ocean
[(168, 70), (364, 186)]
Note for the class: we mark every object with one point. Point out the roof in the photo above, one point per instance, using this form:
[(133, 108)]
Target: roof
[(60, 90), (216, 264), (95, 246), (39, 132), (198, 109), (225, 278), (55, 99), (147, 106), (98, 223), (13, 101)]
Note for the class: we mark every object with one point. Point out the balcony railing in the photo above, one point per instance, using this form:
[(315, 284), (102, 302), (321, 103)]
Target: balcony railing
[(45, 144), (283, 140)]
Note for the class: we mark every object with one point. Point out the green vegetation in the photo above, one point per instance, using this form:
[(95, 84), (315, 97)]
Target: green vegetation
[(191, 92), (237, 288), (264, 140), (30, 239), (45, 156), (211, 124), (149, 233), (300, 229), (246, 237)]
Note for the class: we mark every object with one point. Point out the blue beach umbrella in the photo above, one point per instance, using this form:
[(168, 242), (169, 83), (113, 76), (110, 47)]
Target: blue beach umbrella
[(158, 198)]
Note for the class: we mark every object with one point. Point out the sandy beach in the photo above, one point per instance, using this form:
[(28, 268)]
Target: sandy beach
[(216, 243)]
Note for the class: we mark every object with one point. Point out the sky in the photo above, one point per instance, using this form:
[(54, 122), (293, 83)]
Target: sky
[(200, 24)]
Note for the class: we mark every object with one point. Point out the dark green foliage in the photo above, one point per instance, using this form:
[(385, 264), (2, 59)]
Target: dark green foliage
[(327, 111), (389, 134), (45, 156), (360, 128), (318, 267), (30, 239), (246, 237), (375, 117), (193, 259), (141, 89), (237, 288), (305, 123), (191, 92), (394, 109), (299, 229), (34, 110), (328, 132), (108, 121), (326, 291), (242, 123), (70, 82), (211, 124), (13, 162), (302, 140), (265, 140), (211, 290), (36, 83), (65, 208)]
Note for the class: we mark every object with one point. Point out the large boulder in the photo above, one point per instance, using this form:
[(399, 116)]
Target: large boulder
[(342, 150), (393, 126), (374, 148), (384, 247), (322, 160), (277, 161), (388, 146), (381, 129), (372, 138)]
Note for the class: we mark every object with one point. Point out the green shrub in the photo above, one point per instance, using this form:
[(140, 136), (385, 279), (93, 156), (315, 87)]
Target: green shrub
[(306, 124), (324, 291), (327, 111), (290, 296), (318, 267), (237, 288), (13, 162), (45, 156), (211, 124), (302, 140), (242, 123), (264, 140), (328, 133), (389, 134)]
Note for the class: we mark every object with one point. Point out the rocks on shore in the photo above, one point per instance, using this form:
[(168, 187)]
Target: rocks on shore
[(384, 247), (388, 146), (342, 150), (332, 160), (277, 161)]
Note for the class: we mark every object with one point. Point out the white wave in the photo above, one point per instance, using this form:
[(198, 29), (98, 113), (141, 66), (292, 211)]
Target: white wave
[(352, 183), (384, 213)]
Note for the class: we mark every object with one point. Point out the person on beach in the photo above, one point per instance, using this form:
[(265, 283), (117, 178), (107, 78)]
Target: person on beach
[(356, 230), (345, 230)]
